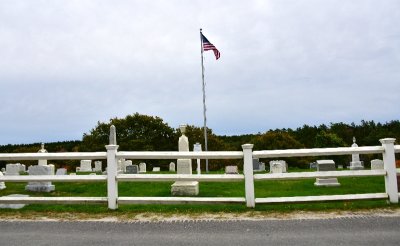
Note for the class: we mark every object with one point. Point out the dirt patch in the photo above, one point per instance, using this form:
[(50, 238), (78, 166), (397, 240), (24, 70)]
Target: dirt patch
[(162, 217)]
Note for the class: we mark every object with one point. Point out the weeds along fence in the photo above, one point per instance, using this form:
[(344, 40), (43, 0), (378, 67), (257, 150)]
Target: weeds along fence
[(387, 149)]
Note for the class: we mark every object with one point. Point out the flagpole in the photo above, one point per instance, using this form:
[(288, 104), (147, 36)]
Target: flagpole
[(204, 98)]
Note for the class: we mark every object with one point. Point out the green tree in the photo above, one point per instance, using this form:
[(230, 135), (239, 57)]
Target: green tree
[(280, 140), (326, 139), (134, 133)]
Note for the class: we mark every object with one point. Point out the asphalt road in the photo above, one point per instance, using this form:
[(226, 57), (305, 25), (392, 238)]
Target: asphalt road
[(344, 231)]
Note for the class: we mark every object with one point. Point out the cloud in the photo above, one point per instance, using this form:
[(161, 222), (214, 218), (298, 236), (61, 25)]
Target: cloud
[(67, 64)]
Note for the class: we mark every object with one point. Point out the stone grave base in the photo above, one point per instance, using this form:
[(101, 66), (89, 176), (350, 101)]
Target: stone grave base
[(13, 205), (83, 170), (356, 165), (185, 188), (327, 182), (40, 187)]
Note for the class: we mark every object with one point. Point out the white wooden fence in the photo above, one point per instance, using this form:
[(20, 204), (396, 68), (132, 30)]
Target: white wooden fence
[(388, 150)]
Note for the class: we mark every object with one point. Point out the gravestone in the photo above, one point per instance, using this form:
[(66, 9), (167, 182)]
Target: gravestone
[(313, 165), (142, 167), (262, 167), (282, 163), (12, 169), (61, 171), (52, 169), (42, 150), (172, 167), (184, 166), (40, 186), (197, 148), (355, 163), (14, 206), (3, 169), (121, 165), (86, 166), (275, 167), (256, 165), (22, 168), (127, 163), (231, 170), (98, 166), (376, 164), (322, 166), (156, 169), (132, 169), (2, 184)]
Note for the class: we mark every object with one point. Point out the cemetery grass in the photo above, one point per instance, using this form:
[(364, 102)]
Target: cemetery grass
[(207, 189)]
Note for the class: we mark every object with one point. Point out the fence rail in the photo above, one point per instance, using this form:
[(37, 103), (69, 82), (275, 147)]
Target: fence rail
[(180, 155), (388, 150), (54, 156), (55, 178), (327, 174), (317, 152), (180, 177)]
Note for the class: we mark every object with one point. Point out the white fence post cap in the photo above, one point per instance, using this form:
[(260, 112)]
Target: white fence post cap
[(387, 140), (247, 146)]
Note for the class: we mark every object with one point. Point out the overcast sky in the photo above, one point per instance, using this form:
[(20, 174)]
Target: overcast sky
[(64, 65)]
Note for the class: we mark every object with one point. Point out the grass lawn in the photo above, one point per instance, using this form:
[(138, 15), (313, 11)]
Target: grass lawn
[(303, 187)]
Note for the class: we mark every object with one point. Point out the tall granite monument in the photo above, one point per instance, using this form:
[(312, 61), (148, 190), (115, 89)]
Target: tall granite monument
[(184, 166), (355, 163)]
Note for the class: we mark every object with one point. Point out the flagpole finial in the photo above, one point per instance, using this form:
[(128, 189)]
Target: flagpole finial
[(201, 29)]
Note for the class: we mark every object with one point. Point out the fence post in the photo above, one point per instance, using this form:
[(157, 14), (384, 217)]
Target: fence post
[(389, 163), (112, 184), (248, 174)]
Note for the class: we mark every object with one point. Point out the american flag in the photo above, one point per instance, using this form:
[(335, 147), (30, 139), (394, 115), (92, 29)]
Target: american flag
[(209, 46)]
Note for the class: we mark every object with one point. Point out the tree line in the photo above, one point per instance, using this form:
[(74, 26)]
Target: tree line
[(139, 132)]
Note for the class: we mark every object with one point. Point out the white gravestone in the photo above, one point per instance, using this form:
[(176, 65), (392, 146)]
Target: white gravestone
[(22, 168), (275, 167), (156, 169), (197, 148), (355, 163), (40, 186), (142, 167), (52, 168), (98, 166), (326, 165), (120, 165), (86, 166), (172, 167), (61, 171), (376, 164), (14, 206), (231, 170), (262, 167), (282, 163), (42, 150), (2, 184), (12, 169), (184, 166)]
